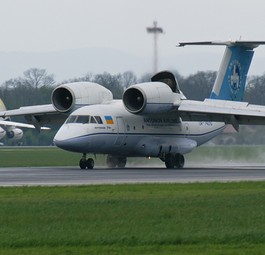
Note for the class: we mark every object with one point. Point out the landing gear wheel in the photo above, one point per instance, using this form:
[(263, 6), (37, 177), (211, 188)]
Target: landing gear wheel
[(170, 161), (86, 163), (90, 163), (180, 161), (110, 161), (82, 163), (122, 162), (116, 161), (174, 161)]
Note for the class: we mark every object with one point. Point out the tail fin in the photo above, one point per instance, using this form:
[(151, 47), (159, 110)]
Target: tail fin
[(2, 105), (3, 108), (230, 82)]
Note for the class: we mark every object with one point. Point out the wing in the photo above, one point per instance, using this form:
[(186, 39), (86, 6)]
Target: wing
[(38, 115), (6, 124), (230, 112), (65, 99)]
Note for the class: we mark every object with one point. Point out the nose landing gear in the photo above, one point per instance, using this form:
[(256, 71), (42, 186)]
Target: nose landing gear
[(86, 163)]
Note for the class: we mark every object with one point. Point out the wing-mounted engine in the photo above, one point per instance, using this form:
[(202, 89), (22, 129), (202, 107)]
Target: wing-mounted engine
[(70, 96), (14, 134), (160, 95), (2, 133)]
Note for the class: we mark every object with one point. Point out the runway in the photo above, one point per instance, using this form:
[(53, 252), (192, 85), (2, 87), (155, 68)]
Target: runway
[(56, 176)]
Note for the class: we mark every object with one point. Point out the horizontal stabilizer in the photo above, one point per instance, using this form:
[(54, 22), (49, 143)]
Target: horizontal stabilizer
[(248, 44)]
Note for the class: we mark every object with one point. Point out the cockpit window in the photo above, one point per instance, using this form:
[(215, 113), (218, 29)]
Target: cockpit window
[(71, 119), (99, 120), (84, 119), (92, 120)]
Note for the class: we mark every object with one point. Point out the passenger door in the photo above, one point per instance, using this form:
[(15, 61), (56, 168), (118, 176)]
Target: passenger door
[(120, 139)]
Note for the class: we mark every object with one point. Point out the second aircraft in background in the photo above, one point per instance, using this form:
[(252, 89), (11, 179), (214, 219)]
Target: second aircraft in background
[(12, 130)]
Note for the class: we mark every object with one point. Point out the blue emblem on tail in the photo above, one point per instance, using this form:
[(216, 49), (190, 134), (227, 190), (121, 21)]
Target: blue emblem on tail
[(235, 78)]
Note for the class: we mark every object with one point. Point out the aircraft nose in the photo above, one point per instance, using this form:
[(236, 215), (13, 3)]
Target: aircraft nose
[(71, 142), (58, 140), (58, 137)]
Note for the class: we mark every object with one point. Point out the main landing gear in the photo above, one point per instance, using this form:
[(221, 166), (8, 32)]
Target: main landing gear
[(174, 160), (86, 163), (116, 161), (171, 161)]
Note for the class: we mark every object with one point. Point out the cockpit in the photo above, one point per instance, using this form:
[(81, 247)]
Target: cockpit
[(84, 119), (168, 78)]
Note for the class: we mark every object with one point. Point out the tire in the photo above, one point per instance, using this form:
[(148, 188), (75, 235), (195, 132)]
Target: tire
[(90, 163), (110, 161), (180, 160), (122, 162), (170, 161), (82, 164)]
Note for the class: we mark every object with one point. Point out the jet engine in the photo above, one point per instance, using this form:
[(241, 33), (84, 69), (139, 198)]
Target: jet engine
[(14, 134), (2, 133), (149, 97), (70, 96)]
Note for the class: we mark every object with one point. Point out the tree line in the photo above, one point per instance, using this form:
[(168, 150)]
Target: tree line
[(35, 86)]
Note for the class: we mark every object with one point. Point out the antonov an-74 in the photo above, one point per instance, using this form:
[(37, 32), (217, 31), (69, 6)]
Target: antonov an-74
[(153, 119)]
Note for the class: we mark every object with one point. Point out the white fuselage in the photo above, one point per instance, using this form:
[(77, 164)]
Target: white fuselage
[(113, 130)]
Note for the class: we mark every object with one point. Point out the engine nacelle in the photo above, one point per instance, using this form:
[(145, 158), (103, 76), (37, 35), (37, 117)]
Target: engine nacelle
[(2, 133), (69, 96), (14, 134), (149, 97)]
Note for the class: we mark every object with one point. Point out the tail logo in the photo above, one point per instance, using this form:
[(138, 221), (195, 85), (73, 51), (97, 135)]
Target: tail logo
[(235, 77)]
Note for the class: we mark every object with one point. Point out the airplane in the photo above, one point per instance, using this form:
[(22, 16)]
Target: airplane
[(11, 129), (153, 119)]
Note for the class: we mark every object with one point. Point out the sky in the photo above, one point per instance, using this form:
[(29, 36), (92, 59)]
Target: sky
[(56, 25)]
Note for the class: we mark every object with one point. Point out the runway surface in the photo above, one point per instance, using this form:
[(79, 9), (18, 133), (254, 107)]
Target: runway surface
[(48, 176)]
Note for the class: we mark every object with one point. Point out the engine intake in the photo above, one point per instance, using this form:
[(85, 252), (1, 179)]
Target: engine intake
[(134, 100), (14, 134), (150, 97), (70, 96), (62, 99)]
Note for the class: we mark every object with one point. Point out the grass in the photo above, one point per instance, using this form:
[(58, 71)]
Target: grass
[(213, 218), (36, 156)]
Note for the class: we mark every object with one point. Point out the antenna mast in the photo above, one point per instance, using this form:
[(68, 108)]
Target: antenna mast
[(155, 30)]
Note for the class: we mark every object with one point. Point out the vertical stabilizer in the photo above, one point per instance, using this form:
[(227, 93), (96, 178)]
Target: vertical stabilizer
[(2, 105), (232, 75), (3, 108), (230, 82)]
